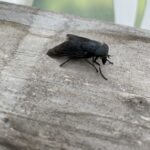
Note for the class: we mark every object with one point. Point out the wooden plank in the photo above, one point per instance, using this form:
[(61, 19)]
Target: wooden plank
[(43, 106)]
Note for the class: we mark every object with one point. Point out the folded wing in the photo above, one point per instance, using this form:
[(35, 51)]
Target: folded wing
[(74, 47)]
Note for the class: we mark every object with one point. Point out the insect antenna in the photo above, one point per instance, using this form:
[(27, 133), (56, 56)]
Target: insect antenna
[(110, 61)]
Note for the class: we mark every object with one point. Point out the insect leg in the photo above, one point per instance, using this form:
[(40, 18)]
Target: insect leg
[(110, 61), (94, 60), (102, 73), (65, 62), (91, 64)]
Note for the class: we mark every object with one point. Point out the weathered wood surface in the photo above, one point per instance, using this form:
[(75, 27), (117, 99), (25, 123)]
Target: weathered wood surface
[(43, 106)]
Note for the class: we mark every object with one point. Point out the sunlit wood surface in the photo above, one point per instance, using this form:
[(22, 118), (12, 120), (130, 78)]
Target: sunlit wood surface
[(46, 107)]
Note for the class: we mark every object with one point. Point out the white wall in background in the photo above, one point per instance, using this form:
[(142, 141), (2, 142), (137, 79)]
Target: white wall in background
[(22, 2), (125, 11), (146, 19)]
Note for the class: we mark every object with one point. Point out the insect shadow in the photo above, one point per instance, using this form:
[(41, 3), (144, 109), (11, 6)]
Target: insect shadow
[(76, 47)]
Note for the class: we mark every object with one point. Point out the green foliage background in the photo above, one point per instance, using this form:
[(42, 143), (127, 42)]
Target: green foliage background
[(140, 12), (98, 9)]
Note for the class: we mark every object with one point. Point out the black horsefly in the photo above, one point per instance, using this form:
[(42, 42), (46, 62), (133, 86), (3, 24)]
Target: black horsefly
[(76, 47)]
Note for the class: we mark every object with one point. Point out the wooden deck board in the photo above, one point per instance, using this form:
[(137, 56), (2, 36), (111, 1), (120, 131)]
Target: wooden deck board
[(43, 106)]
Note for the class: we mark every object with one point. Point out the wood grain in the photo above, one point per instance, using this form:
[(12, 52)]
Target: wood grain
[(44, 106)]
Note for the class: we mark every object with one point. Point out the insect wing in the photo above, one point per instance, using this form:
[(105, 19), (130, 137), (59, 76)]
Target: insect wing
[(70, 49), (57, 50)]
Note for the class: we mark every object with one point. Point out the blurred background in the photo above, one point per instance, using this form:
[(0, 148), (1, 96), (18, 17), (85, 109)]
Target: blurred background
[(135, 13)]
